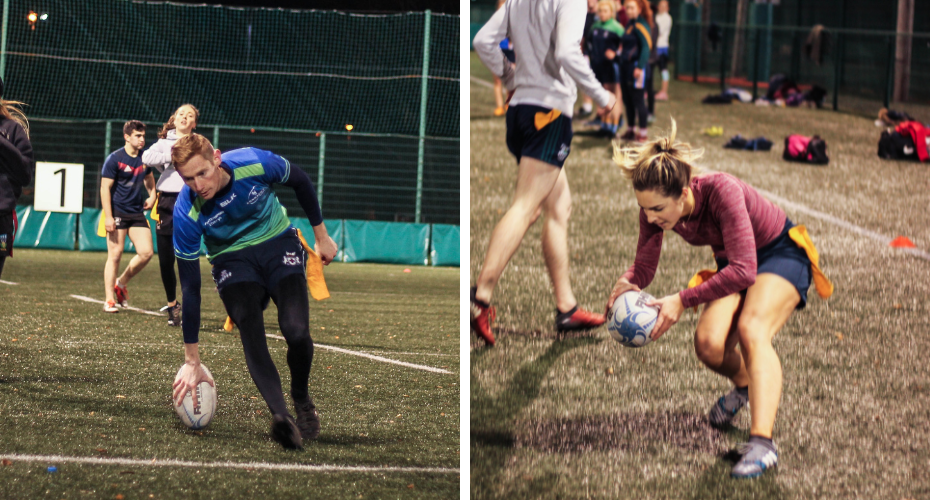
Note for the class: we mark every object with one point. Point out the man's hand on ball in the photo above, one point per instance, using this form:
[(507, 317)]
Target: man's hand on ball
[(187, 380), (670, 309)]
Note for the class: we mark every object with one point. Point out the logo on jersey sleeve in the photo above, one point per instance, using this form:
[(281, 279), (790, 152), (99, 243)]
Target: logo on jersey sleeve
[(224, 275), (256, 194)]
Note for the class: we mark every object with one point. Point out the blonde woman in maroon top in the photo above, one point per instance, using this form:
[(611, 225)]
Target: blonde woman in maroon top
[(762, 277)]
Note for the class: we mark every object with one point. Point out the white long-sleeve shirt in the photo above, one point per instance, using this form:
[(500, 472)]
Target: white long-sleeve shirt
[(664, 22), (546, 37), (159, 157)]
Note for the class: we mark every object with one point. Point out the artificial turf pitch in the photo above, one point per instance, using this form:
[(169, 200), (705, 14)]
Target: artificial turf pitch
[(583, 417), (78, 382)]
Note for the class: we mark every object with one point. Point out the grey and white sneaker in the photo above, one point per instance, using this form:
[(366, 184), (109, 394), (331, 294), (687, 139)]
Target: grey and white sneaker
[(756, 459), (726, 408)]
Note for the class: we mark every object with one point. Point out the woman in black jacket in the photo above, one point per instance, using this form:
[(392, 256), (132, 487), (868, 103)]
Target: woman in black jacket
[(17, 167)]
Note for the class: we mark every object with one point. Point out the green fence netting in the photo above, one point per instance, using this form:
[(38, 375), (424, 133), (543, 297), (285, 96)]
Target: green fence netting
[(445, 245), (45, 229), (289, 81), (386, 242)]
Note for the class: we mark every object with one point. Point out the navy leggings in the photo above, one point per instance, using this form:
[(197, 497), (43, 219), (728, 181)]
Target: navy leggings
[(245, 303)]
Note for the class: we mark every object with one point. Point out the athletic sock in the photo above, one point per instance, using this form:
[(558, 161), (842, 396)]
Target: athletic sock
[(565, 315), (586, 107), (664, 75), (764, 441), (481, 303)]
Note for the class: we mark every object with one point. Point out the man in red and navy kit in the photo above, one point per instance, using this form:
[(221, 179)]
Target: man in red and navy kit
[(123, 187)]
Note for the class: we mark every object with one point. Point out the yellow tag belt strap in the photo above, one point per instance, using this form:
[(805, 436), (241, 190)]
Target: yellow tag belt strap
[(543, 119)]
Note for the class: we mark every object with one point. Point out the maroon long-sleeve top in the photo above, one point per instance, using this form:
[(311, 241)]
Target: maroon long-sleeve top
[(731, 217)]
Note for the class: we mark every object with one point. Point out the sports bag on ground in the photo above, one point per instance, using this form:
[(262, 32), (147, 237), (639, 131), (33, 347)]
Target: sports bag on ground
[(806, 149)]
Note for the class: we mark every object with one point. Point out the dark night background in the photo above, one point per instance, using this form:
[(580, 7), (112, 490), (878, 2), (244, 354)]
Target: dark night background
[(444, 6)]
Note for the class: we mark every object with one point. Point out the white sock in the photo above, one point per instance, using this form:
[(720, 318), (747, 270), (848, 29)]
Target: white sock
[(586, 107), (664, 75)]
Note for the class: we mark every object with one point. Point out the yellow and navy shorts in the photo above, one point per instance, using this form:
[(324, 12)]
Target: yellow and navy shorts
[(537, 132)]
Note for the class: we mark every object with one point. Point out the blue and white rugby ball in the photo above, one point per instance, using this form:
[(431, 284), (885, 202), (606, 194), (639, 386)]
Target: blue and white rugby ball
[(630, 321)]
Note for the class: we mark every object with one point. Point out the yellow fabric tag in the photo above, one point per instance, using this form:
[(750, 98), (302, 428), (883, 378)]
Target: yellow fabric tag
[(102, 225), (228, 325), (155, 207), (823, 285), (315, 280), (543, 119), (700, 277)]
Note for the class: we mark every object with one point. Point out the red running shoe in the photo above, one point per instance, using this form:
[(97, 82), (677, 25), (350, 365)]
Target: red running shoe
[(578, 319), (122, 296), (482, 315)]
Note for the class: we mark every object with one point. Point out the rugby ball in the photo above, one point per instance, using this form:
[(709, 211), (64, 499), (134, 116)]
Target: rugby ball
[(197, 417), (630, 321)]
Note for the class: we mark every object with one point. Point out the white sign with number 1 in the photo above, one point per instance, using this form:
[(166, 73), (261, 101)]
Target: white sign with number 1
[(59, 187)]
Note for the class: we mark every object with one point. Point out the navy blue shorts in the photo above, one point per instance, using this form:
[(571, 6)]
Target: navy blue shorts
[(608, 72), (264, 264), (531, 132), (786, 259)]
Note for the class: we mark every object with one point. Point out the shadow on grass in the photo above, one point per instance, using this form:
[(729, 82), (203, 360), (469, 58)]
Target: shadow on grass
[(639, 431), (492, 421)]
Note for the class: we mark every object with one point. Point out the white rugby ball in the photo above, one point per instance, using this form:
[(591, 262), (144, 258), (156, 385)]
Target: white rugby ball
[(630, 321), (197, 417)]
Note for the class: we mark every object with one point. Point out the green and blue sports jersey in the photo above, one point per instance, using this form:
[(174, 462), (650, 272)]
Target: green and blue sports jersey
[(247, 214)]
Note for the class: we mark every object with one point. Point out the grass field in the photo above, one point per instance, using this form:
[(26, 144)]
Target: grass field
[(77, 382), (583, 417)]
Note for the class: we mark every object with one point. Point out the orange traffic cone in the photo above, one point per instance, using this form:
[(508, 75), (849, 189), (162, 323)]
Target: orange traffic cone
[(902, 242)]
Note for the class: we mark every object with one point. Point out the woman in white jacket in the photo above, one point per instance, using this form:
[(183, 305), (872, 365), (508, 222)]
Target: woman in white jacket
[(180, 124)]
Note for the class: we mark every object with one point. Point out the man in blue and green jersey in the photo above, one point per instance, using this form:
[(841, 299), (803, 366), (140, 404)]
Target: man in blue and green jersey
[(228, 202)]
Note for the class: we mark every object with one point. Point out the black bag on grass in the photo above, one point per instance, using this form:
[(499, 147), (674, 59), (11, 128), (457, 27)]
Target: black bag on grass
[(895, 146)]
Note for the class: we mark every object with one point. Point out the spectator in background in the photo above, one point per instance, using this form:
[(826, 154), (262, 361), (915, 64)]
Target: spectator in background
[(634, 68), (125, 180), (664, 28), (17, 167), (587, 104), (500, 95), (180, 124), (603, 44)]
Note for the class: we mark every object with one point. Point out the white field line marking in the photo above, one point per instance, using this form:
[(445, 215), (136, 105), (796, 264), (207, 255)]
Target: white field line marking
[(69, 343), (884, 240), (223, 465), (8, 282), (370, 356), (324, 346), (143, 311), (482, 82)]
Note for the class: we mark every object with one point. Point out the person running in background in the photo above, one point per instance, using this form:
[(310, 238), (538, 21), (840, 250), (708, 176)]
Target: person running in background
[(229, 203), (764, 269), (17, 168), (125, 180), (158, 156), (634, 68), (603, 43), (547, 39), (664, 27)]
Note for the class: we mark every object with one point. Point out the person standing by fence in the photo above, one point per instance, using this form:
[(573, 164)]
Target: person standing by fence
[(634, 68), (180, 124), (664, 28)]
